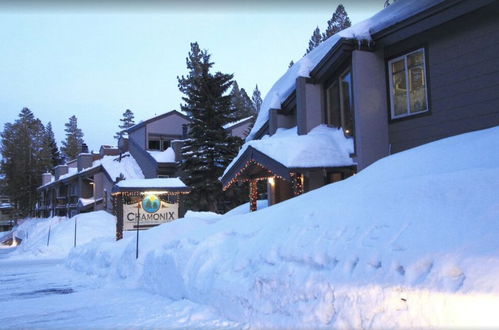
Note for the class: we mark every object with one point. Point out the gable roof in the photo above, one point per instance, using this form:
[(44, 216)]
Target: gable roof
[(389, 20), (153, 119)]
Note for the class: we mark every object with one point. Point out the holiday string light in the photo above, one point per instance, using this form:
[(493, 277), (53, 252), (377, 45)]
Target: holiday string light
[(237, 178), (297, 180)]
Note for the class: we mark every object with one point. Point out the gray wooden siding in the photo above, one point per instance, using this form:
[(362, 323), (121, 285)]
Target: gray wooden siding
[(139, 137), (463, 61)]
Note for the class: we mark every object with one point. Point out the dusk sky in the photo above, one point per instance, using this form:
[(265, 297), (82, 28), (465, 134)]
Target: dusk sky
[(95, 61)]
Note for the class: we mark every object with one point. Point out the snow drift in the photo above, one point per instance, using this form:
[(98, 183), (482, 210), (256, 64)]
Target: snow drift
[(409, 241), (53, 238)]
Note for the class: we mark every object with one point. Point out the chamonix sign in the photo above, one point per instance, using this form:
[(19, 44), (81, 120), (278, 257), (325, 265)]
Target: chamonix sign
[(151, 211)]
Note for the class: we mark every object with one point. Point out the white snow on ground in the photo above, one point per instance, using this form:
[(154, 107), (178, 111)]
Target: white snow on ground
[(245, 208), (391, 15), (410, 241), (165, 156), (322, 147), (37, 243)]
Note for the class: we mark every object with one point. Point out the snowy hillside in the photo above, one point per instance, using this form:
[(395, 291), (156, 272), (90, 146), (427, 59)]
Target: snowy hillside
[(410, 241)]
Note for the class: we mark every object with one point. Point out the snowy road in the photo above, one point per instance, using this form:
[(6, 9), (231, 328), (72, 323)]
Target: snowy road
[(45, 294)]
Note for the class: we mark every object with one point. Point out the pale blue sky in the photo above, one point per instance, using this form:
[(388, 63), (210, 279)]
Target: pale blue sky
[(95, 62)]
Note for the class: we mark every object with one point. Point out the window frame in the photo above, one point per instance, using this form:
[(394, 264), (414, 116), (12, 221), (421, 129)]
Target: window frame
[(408, 113), (341, 115)]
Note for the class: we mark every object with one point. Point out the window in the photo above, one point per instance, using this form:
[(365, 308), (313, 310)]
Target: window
[(339, 107), (408, 94), (154, 144), (158, 143)]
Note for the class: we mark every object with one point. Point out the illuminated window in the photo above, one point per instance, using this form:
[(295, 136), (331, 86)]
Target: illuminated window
[(339, 103), (408, 92)]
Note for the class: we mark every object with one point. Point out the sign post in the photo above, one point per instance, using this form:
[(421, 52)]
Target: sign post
[(138, 225)]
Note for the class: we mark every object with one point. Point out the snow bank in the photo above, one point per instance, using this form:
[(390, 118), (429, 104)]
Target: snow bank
[(35, 234), (391, 15), (245, 208), (410, 241)]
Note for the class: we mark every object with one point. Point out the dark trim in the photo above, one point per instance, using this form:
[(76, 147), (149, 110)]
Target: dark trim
[(289, 104), (145, 122), (252, 154), (264, 130), (341, 51), (427, 19), (427, 77)]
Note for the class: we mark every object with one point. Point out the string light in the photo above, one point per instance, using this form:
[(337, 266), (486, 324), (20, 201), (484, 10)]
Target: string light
[(237, 178)]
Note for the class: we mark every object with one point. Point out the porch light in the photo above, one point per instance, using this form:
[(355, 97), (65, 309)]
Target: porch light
[(271, 181)]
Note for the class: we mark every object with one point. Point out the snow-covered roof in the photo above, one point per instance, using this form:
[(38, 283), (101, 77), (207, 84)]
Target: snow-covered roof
[(323, 146), (393, 14), (156, 183), (166, 156), (128, 166), (234, 123)]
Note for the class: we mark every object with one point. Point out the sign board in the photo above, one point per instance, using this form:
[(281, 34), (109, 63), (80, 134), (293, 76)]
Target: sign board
[(151, 211)]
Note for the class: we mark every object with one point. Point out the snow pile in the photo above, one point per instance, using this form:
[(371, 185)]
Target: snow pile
[(245, 208), (36, 242), (391, 15), (410, 241), (166, 156), (322, 147)]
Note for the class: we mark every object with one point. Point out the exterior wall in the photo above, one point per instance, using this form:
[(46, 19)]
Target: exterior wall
[(369, 102), (139, 137), (241, 130), (169, 125), (313, 179), (146, 162), (277, 120), (309, 106), (463, 64)]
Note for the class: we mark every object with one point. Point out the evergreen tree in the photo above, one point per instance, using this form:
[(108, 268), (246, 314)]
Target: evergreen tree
[(241, 104), (22, 166), (291, 64), (71, 147), (338, 22), (209, 148), (49, 155), (126, 122), (257, 99), (315, 40)]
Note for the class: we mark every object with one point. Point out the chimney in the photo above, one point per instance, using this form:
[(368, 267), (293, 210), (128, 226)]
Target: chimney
[(84, 161), (46, 178), (84, 148), (60, 170), (177, 148)]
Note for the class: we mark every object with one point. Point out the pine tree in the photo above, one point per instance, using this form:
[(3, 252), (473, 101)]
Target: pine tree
[(291, 64), (49, 155), (126, 122), (241, 104), (22, 166), (338, 22), (315, 40), (209, 148), (257, 99), (71, 147)]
